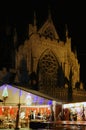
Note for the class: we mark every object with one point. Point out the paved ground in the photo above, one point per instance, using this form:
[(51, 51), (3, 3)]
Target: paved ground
[(58, 128), (19, 129)]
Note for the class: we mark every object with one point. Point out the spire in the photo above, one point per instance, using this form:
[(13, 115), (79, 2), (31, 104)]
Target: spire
[(34, 18), (15, 43), (31, 60), (49, 14), (66, 31), (15, 37), (35, 27)]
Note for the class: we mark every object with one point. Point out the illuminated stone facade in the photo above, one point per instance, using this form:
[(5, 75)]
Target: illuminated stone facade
[(46, 63), (49, 57)]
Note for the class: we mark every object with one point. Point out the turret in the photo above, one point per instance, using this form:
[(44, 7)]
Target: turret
[(35, 27), (66, 32)]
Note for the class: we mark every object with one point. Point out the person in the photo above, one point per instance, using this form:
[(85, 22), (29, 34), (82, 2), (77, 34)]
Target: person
[(31, 116), (60, 116), (38, 115), (52, 116)]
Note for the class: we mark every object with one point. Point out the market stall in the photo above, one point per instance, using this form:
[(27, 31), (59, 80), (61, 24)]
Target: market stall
[(23, 101), (75, 111)]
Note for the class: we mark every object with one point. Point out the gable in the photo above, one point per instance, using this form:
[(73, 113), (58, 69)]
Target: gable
[(48, 30)]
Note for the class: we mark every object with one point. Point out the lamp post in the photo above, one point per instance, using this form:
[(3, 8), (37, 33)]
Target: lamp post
[(18, 113)]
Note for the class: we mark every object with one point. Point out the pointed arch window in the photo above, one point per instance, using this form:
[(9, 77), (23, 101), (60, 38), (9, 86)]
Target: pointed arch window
[(48, 66)]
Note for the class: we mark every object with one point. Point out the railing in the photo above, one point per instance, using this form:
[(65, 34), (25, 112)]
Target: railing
[(62, 94)]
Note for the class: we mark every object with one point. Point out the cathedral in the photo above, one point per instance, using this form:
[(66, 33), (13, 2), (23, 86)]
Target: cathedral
[(48, 56), (46, 62)]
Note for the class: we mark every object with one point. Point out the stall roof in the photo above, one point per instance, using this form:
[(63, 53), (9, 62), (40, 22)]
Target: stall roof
[(38, 93), (34, 92)]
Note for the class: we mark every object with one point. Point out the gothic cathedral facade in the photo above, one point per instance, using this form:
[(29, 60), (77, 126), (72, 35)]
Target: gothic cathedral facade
[(48, 57)]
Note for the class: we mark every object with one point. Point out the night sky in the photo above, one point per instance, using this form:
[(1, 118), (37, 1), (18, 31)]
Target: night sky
[(62, 11)]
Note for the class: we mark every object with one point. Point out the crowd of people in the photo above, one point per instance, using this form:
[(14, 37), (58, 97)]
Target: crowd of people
[(41, 116)]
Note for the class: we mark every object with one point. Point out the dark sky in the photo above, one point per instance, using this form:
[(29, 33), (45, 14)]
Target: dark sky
[(63, 12)]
